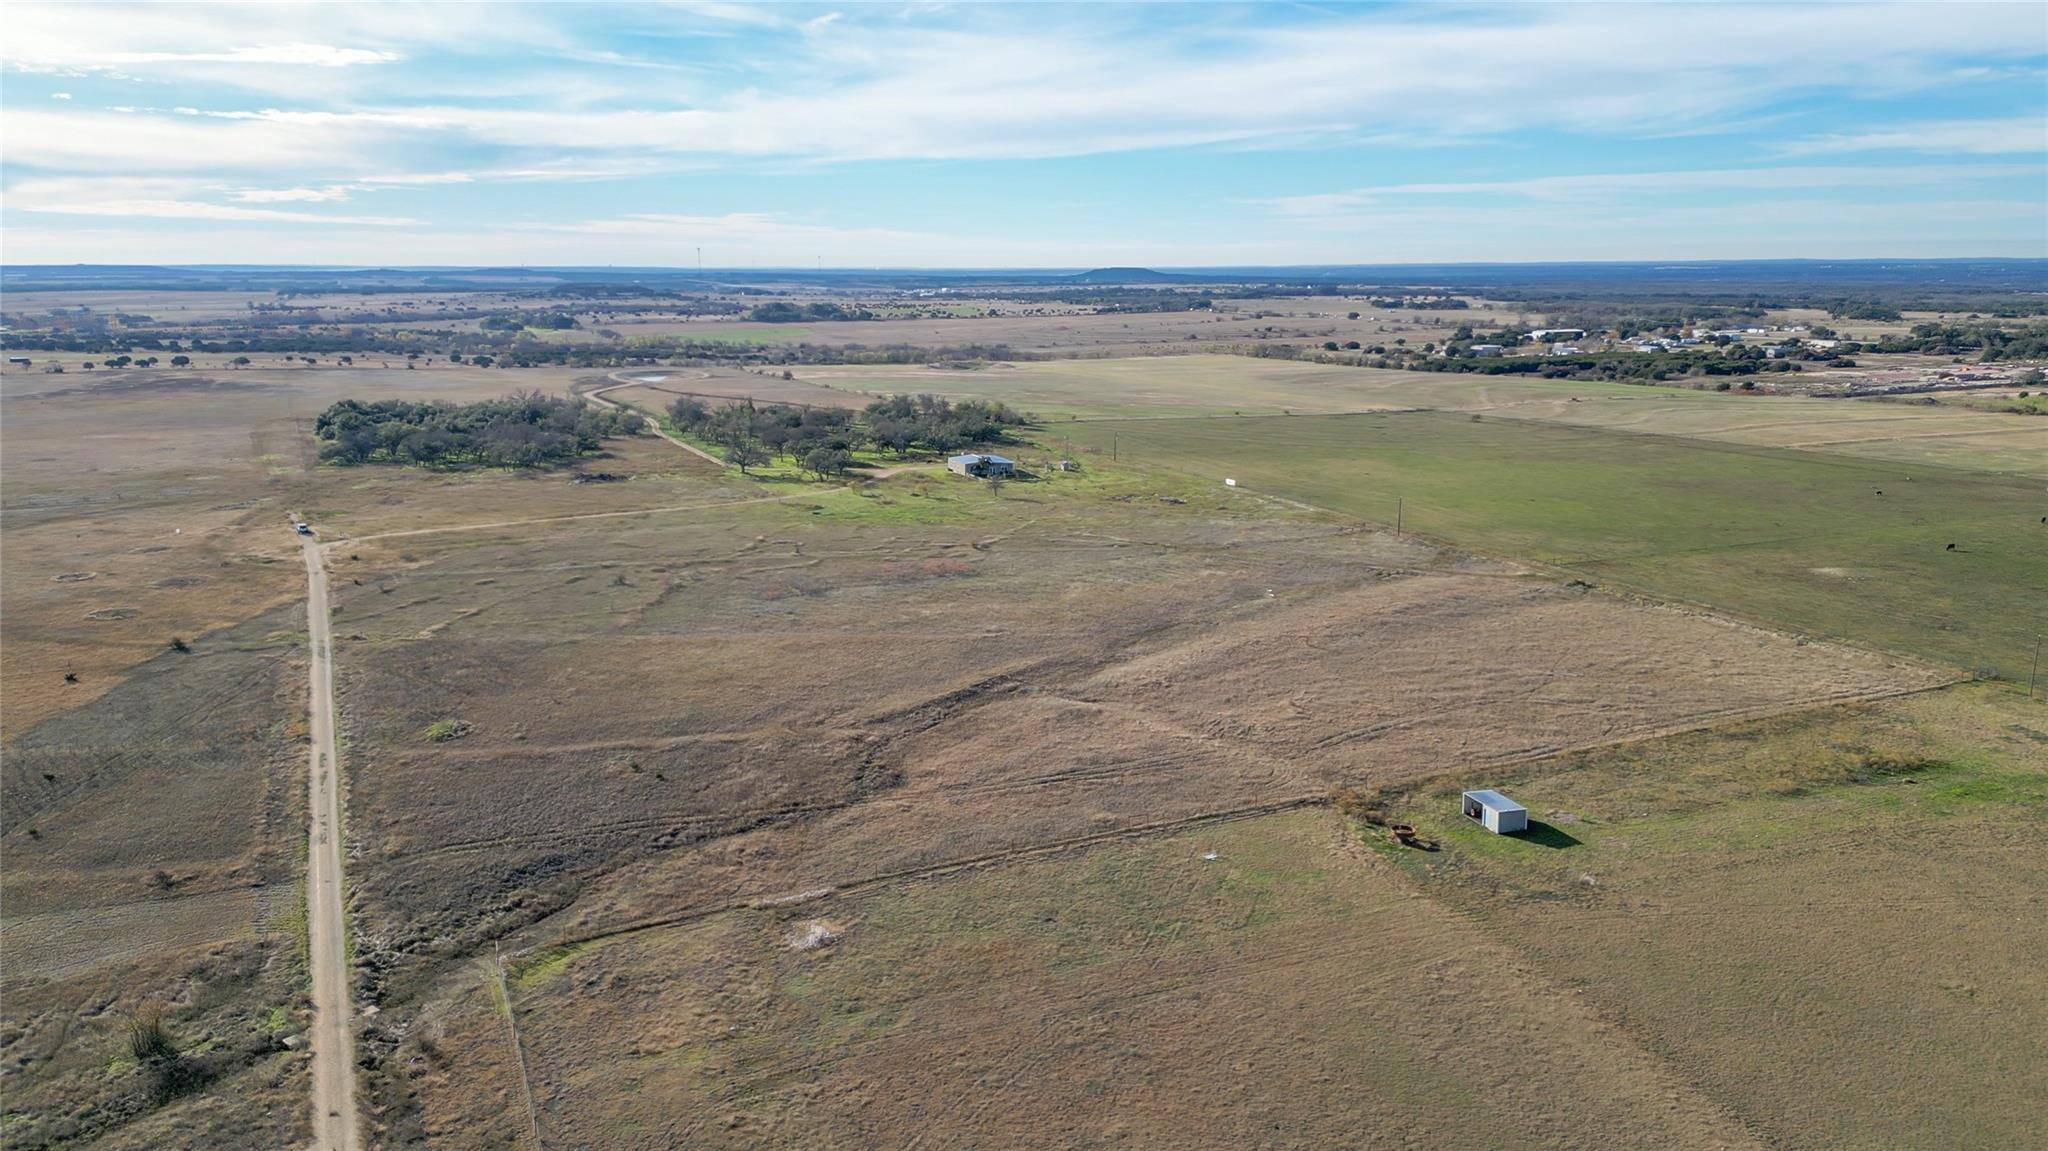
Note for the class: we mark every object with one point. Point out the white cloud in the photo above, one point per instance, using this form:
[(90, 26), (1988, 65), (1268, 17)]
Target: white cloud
[(330, 194), (2014, 134), (262, 113), (60, 95), (295, 54), (162, 200), (138, 142), (1054, 81)]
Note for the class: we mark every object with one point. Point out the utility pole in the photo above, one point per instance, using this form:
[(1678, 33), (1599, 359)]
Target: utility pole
[(1112, 447), (2035, 670), (1398, 501)]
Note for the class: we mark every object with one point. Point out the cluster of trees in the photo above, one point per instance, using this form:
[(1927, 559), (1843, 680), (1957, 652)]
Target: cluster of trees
[(538, 321), (1120, 301), (521, 431), (1620, 366), (783, 312), (822, 440), (1420, 303), (1862, 310), (1991, 340)]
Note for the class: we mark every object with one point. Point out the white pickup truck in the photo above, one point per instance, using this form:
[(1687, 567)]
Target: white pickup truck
[(302, 527)]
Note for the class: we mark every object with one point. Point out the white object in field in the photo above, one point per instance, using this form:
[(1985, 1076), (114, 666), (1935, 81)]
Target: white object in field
[(1228, 482), (1496, 812), (1210, 856)]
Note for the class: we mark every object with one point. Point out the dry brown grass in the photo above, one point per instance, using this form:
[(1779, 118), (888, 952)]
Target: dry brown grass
[(988, 738)]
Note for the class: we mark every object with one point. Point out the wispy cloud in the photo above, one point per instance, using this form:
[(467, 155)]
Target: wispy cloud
[(170, 200), (1056, 82), (887, 134), (331, 194), (1608, 187), (2023, 135), (294, 54)]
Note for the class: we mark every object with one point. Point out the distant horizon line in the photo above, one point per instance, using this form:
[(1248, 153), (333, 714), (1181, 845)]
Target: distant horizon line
[(812, 269)]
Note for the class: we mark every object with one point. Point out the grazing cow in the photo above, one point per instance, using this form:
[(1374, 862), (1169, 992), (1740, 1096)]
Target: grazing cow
[(1951, 547)]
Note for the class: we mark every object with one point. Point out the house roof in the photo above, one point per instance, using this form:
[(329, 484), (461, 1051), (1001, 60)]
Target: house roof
[(989, 457), (1495, 801)]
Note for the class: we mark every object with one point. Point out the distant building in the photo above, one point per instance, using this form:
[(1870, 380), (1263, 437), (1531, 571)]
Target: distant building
[(1496, 812), (1486, 349), (1542, 335), (24, 361), (981, 464)]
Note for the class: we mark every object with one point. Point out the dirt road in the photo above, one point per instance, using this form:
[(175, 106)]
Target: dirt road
[(599, 395), (333, 1035), (652, 421)]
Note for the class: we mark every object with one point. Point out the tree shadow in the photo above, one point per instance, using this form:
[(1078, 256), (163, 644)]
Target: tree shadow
[(1546, 835)]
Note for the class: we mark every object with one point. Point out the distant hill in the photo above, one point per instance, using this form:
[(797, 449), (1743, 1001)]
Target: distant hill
[(1131, 276)]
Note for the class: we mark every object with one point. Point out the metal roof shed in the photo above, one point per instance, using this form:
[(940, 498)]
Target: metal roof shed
[(1496, 812)]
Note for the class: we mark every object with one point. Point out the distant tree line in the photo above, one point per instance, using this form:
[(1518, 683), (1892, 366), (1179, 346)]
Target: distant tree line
[(1622, 367), (511, 350), (521, 431), (822, 440)]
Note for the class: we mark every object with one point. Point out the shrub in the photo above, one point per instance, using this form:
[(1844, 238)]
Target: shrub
[(441, 731), (149, 1041)]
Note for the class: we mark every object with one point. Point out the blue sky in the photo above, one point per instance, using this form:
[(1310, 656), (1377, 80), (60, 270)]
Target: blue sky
[(1046, 135)]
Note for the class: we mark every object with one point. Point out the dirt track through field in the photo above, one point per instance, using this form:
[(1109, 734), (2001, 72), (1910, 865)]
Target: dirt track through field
[(599, 396), (333, 1035), (696, 507)]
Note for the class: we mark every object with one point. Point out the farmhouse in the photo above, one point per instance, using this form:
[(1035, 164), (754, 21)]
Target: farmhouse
[(981, 464), (1486, 349), (1496, 812)]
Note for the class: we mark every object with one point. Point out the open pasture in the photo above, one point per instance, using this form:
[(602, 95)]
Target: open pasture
[(566, 730), (1797, 912), (1235, 321), (1252, 983), (1209, 385), (651, 735), (152, 803), (1802, 539)]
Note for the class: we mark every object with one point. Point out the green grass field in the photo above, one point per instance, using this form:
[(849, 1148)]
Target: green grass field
[(1797, 538)]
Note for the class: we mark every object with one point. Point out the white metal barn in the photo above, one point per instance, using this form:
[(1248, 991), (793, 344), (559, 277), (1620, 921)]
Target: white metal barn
[(981, 464), (1496, 812)]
